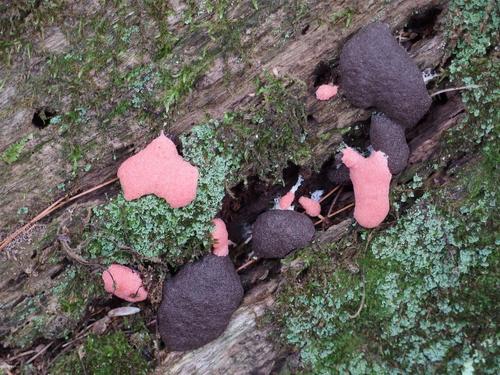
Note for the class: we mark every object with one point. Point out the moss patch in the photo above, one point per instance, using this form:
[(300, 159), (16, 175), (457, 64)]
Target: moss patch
[(109, 354), (276, 126), (14, 151)]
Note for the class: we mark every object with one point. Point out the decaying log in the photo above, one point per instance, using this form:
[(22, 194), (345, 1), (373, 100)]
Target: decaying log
[(32, 181)]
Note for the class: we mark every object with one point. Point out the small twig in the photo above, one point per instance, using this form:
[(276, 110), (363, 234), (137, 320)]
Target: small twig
[(329, 193), (23, 354), (44, 349), (456, 89), (369, 239), (247, 264), (229, 191), (53, 207), (242, 244), (25, 227), (151, 323), (79, 337), (72, 254), (335, 213), (341, 210), (335, 200), (361, 304)]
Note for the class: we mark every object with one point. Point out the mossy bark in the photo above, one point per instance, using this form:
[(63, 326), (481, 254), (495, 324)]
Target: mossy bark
[(106, 106)]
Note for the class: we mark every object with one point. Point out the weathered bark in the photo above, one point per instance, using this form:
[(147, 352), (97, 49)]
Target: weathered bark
[(31, 268)]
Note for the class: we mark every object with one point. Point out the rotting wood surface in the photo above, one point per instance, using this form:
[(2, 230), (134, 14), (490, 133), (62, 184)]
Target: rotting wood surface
[(32, 181)]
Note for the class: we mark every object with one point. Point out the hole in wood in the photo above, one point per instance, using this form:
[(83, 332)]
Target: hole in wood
[(322, 74), (42, 117)]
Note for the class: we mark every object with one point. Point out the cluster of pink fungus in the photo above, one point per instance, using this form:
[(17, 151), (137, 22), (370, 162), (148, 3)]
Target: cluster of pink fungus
[(160, 170), (157, 169), (311, 206)]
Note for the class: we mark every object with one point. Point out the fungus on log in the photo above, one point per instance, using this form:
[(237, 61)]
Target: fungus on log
[(276, 233), (326, 92), (124, 282), (377, 72), (220, 238), (389, 137), (370, 179), (159, 170), (198, 303)]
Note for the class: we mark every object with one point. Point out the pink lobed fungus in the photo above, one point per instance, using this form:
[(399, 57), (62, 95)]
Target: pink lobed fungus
[(124, 282), (371, 179), (159, 170), (326, 92), (310, 206), (221, 238), (285, 202)]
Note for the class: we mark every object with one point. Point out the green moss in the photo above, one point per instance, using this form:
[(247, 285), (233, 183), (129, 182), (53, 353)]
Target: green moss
[(151, 228), (344, 15), (275, 126), (109, 354), (21, 18), (177, 85), (74, 291), (14, 151), (68, 299)]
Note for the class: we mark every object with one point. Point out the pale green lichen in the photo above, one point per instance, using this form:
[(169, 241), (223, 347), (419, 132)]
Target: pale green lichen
[(477, 23), (422, 309), (150, 228)]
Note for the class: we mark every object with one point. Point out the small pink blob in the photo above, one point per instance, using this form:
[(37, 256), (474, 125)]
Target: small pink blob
[(310, 206), (221, 238), (326, 92), (286, 200), (159, 170), (124, 282), (371, 179)]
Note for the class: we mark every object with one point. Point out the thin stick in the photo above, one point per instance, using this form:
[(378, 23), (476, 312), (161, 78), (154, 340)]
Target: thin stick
[(53, 207), (21, 355), (249, 263), (335, 200), (39, 353), (456, 89), (356, 314), (341, 210), (25, 227), (336, 212), (329, 193)]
